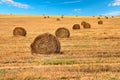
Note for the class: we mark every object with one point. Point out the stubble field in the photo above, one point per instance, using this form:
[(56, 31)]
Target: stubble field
[(89, 54)]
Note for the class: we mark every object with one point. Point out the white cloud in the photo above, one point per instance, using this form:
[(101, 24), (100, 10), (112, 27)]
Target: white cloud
[(71, 2), (113, 13), (77, 10), (16, 4), (115, 3)]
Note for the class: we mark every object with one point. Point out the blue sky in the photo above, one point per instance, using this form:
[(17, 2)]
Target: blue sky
[(59, 7)]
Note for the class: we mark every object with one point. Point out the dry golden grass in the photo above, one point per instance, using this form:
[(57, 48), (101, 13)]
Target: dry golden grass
[(89, 54)]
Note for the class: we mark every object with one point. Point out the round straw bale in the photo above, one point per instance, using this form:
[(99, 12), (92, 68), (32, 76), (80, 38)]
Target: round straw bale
[(98, 18), (100, 22), (48, 16), (62, 33), (45, 44), (83, 23), (62, 16), (76, 26), (106, 17), (45, 17), (19, 31), (86, 26), (58, 19)]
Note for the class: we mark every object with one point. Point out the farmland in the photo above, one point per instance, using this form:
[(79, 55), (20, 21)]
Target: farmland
[(89, 54)]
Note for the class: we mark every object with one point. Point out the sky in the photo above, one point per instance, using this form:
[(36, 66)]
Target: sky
[(61, 7)]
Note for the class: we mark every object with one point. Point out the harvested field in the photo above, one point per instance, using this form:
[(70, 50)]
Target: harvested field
[(89, 54)]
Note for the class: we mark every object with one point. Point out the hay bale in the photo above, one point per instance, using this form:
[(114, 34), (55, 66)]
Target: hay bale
[(62, 33), (62, 16), (83, 23), (58, 19), (19, 31), (87, 26), (106, 17), (100, 22), (45, 17), (76, 26), (98, 18), (48, 16), (45, 44)]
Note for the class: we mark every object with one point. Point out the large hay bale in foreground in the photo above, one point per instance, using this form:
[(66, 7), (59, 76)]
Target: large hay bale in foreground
[(45, 44), (83, 23), (100, 22), (87, 26), (76, 26), (62, 33), (19, 31)]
